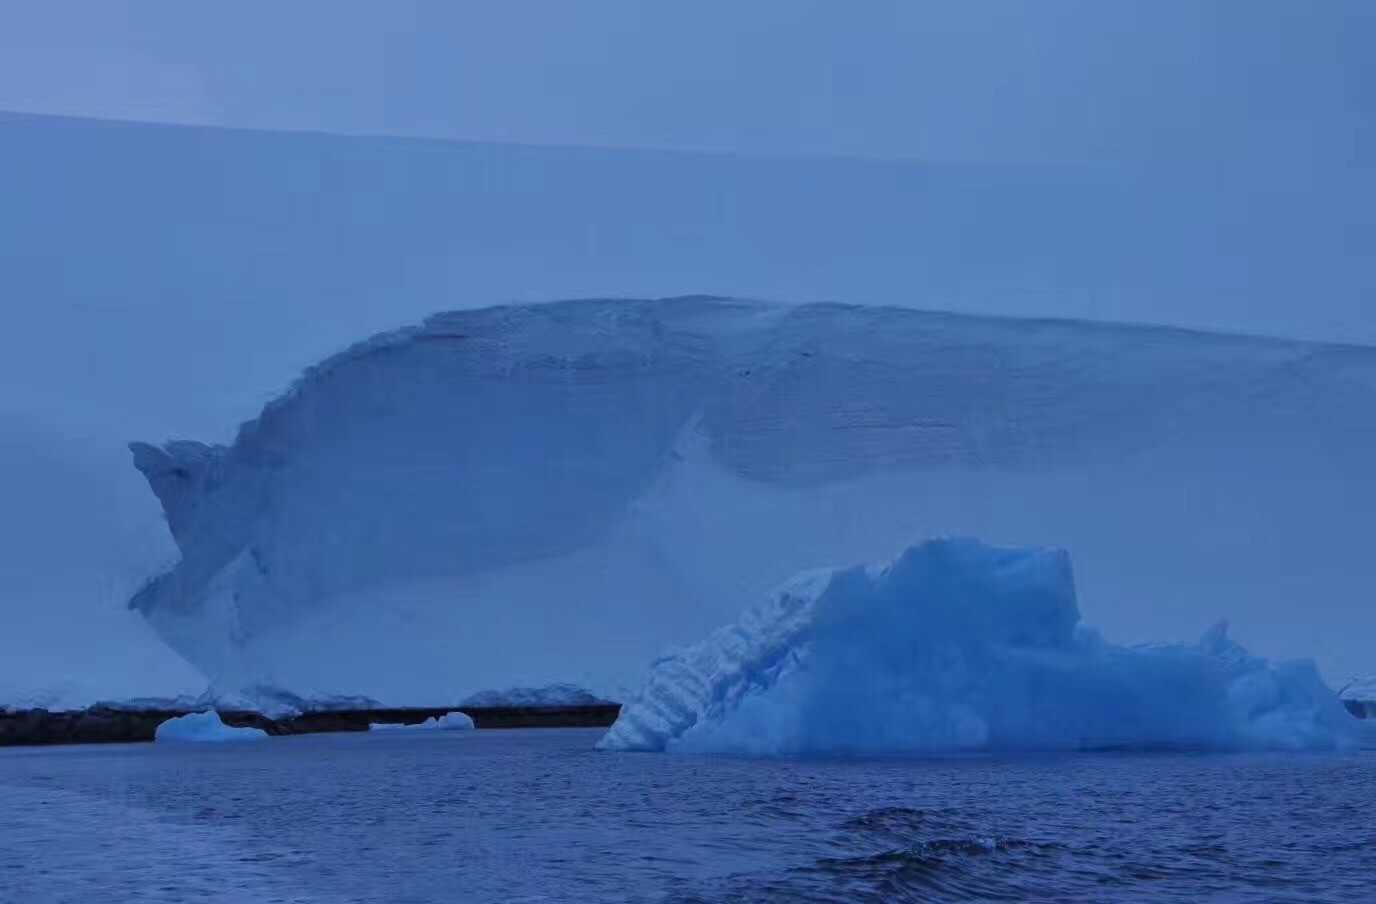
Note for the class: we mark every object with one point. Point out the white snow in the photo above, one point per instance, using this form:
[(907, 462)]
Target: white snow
[(455, 721), (204, 727), (593, 481), (958, 646)]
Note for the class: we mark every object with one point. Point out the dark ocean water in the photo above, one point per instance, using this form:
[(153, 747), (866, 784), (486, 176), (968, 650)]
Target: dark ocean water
[(540, 816)]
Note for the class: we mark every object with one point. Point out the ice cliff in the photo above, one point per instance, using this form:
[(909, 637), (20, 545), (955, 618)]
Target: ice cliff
[(958, 646), (573, 487)]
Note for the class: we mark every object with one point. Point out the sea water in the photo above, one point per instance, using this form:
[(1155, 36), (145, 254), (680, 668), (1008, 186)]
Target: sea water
[(539, 815)]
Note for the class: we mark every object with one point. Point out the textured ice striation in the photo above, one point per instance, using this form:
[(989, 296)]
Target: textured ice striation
[(960, 646), (204, 728), (449, 722)]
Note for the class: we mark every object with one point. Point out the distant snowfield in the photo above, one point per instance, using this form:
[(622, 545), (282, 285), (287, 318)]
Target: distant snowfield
[(568, 489)]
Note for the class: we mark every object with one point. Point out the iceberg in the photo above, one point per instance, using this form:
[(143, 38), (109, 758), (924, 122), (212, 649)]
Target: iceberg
[(206, 727), (959, 646), (455, 721)]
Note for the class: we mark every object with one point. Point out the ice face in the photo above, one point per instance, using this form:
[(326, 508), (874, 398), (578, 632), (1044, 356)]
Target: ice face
[(196, 728), (959, 646)]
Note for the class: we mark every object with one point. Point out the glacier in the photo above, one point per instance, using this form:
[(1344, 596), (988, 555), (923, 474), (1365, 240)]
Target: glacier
[(957, 646), (216, 263), (576, 486)]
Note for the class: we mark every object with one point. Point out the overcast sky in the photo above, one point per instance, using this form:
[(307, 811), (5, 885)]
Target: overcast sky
[(1246, 83)]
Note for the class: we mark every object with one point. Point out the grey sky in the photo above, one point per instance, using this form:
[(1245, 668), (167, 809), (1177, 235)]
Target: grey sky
[(1232, 83)]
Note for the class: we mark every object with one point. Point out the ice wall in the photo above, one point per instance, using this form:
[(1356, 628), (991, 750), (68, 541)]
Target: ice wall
[(573, 487), (957, 646)]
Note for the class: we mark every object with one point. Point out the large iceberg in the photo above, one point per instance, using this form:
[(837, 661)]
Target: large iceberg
[(593, 481), (959, 646)]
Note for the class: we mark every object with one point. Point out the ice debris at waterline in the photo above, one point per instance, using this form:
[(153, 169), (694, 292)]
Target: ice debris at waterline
[(449, 722), (204, 728), (959, 646)]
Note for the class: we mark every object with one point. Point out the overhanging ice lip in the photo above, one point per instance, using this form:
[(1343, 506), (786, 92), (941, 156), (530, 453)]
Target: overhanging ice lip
[(599, 479)]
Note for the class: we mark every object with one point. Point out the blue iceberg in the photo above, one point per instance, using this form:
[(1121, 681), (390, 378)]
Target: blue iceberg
[(959, 646), (204, 728)]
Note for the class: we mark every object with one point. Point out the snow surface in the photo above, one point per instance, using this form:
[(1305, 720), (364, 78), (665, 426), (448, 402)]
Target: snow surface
[(204, 728), (958, 646), (580, 485), (448, 722)]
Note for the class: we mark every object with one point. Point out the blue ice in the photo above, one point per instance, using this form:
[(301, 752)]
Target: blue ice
[(959, 646)]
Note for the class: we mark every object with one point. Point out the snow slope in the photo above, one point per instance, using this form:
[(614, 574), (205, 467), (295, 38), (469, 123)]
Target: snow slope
[(573, 487), (958, 646)]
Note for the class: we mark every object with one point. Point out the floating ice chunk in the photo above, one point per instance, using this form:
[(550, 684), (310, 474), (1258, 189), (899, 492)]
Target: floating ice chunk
[(454, 722), (451, 722), (204, 728), (958, 646)]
